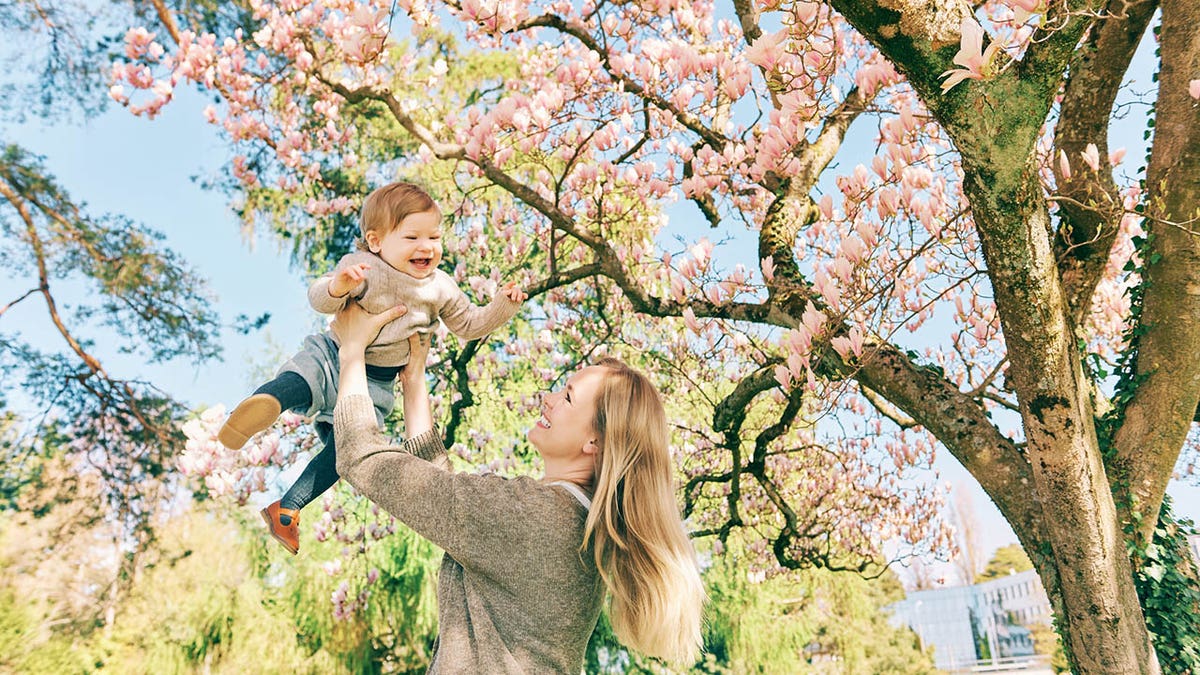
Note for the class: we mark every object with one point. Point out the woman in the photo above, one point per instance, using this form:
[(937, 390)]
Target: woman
[(528, 563)]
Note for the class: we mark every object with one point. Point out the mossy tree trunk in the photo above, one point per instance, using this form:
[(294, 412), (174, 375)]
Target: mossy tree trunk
[(1069, 509)]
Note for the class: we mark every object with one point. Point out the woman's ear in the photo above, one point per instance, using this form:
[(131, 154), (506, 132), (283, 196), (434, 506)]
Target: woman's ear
[(591, 447)]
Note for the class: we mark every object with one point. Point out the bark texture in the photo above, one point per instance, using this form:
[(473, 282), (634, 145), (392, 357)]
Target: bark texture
[(1159, 416), (1043, 278)]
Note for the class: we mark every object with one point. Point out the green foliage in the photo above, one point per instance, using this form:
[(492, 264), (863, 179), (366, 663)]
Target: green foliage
[(1170, 596), (800, 621), (215, 595), (1164, 573), (200, 606), (1047, 641), (1007, 560), (23, 650), (396, 629), (143, 292), (758, 625)]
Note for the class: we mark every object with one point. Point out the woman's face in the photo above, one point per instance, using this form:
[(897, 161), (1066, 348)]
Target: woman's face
[(565, 430)]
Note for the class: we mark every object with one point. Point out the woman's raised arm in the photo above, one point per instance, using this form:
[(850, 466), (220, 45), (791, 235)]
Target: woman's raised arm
[(355, 329)]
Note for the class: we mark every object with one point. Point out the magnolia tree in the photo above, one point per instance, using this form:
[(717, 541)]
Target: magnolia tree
[(984, 263)]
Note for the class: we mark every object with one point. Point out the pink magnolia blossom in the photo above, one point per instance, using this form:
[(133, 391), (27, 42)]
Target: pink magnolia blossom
[(1091, 156), (767, 50), (1023, 9), (977, 63), (1194, 89), (826, 207), (849, 345), (813, 320), (768, 269), (783, 376), (273, 105)]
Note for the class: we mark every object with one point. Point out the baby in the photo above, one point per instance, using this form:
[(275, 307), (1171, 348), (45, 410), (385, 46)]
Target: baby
[(397, 264)]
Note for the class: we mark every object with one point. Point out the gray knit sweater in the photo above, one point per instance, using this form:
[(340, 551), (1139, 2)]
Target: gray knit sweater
[(515, 595), (436, 296)]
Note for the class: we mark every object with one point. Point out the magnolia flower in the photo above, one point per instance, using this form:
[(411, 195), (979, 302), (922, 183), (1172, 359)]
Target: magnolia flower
[(847, 345), (1194, 89), (826, 207), (766, 50), (1064, 167), (768, 269), (1091, 156), (1023, 9), (783, 376), (977, 62)]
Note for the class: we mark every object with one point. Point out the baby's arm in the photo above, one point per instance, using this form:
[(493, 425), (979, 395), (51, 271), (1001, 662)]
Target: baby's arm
[(328, 294), (470, 322)]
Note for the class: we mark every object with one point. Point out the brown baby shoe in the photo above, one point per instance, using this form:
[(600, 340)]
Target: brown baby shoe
[(289, 534), (250, 417)]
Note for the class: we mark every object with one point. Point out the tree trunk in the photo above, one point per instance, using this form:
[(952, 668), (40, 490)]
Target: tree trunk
[(1159, 416), (1101, 619)]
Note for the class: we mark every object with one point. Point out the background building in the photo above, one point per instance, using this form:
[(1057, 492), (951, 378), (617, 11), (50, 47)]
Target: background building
[(982, 622)]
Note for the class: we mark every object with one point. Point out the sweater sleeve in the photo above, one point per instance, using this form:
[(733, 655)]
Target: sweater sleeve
[(471, 322), (480, 520), (322, 301)]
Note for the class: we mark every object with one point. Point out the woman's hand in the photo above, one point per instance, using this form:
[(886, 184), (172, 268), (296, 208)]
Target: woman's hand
[(356, 328), (413, 374)]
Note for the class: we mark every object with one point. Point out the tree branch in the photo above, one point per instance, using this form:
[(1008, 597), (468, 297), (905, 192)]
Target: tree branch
[(921, 44), (1092, 210), (10, 193), (715, 140), (1054, 41), (885, 408), (1158, 417), (817, 156), (747, 13), (24, 295)]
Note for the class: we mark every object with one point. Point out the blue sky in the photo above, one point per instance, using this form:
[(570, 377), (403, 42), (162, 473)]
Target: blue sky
[(120, 164), (144, 170)]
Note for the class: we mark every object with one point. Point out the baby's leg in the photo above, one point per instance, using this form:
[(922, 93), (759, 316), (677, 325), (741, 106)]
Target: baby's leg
[(287, 391), (283, 516), (320, 474)]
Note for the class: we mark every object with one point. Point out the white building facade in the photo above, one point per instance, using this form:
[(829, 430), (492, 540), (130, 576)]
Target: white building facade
[(984, 621)]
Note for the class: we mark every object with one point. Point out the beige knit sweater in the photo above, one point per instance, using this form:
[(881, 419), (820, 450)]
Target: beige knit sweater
[(515, 594), (436, 296)]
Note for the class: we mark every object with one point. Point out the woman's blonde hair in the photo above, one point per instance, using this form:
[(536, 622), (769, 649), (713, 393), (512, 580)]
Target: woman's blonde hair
[(385, 207), (641, 548)]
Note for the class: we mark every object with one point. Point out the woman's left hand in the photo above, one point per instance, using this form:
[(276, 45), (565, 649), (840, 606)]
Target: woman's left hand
[(356, 328)]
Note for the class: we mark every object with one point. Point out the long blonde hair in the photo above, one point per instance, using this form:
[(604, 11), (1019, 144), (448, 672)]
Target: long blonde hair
[(644, 555)]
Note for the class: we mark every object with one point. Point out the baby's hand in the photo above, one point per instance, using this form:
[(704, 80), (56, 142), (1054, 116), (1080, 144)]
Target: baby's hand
[(513, 292), (347, 279)]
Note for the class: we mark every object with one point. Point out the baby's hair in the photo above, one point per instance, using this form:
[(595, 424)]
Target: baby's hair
[(384, 208)]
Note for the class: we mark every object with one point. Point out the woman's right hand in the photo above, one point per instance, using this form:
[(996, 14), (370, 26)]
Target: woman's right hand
[(418, 352), (356, 328), (418, 417)]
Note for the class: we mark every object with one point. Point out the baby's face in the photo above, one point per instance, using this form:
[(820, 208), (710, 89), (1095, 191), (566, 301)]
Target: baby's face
[(414, 246)]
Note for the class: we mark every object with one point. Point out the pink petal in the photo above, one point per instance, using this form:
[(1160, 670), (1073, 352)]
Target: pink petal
[(970, 52), (1091, 156)]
